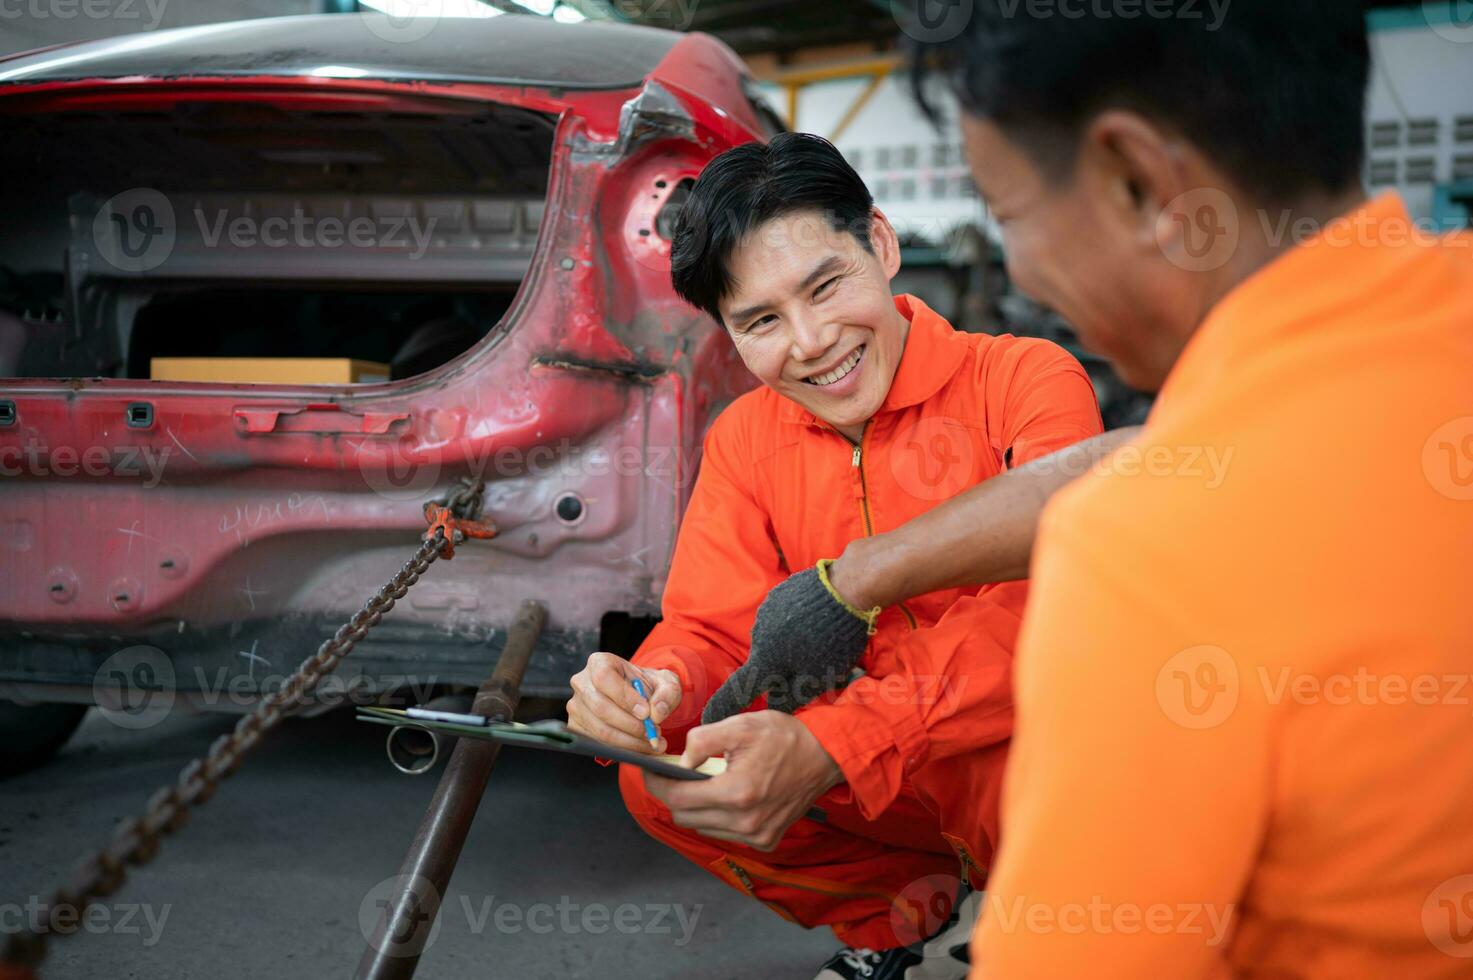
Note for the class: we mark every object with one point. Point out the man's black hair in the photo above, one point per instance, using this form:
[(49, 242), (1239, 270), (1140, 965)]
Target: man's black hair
[(1272, 90), (749, 185)]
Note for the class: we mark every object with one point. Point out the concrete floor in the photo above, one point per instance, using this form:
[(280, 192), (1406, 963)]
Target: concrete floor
[(269, 877)]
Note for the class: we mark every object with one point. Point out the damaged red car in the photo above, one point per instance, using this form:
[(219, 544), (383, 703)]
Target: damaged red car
[(266, 288)]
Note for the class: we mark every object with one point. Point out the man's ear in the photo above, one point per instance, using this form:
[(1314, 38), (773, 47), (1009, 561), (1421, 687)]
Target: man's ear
[(1132, 170), (884, 242)]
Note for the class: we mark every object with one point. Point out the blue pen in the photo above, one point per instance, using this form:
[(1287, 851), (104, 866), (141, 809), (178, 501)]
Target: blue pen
[(650, 732)]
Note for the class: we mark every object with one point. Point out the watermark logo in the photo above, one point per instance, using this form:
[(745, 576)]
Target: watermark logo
[(1451, 20), (922, 907), (134, 688), (1447, 459), (934, 459), (1447, 916), (1198, 687), (407, 929), (40, 460), (1019, 914), (399, 470), (675, 15), (117, 918), (1198, 229), (403, 21), (931, 21), (120, 10), (135, 231)]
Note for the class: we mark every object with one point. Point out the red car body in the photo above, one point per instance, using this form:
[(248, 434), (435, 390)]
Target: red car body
[(277, 509)]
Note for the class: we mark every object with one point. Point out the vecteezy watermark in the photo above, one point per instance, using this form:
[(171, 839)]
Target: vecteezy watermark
[(150, 12), (408, 468), (303, 231), (1018, 914), (1210, 12), (118, 918), (673, 15), (413, 924), (1198, 687), (136, 687), (924, 690), (1447, 916), (921, 908), (1201, 229), (1198, 229), (36, 459), (407, 21), (1447, 459), (1364, 686), (1201, 686), (135, 231), (1451, 20), (935, 458), (934, 21), (1205, 464), (139, 229)]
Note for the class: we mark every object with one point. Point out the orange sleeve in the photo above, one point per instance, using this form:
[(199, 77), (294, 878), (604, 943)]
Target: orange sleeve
[(953, 691), (1136, 791), (725, 562), (1042, 396)]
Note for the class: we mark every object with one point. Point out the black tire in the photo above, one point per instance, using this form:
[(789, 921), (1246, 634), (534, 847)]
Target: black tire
[(31, 734)]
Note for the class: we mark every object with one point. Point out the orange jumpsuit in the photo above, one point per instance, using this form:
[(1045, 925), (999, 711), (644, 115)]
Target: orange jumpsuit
[(1245, 739), (922, 737)]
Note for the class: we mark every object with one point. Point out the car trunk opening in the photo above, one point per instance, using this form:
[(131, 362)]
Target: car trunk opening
[(255, 229)]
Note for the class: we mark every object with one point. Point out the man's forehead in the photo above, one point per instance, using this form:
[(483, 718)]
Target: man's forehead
[(801, 234)]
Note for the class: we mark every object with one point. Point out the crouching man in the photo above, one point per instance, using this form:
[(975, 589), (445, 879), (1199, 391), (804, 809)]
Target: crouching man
[(877, 776)]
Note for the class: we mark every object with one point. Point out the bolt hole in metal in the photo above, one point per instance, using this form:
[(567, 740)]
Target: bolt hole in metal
[(140, 415), (570, 508)]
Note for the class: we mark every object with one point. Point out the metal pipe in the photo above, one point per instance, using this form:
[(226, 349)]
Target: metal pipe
[(409, 915), (414, 751)]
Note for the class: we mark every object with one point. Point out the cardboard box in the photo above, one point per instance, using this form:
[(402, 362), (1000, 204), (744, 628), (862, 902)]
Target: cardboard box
[(269, 370)]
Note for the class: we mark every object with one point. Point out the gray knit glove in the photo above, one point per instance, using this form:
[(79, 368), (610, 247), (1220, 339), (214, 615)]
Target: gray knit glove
[(806, 640)]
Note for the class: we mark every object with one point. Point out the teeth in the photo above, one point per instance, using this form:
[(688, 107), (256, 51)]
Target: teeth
[(838, 372)]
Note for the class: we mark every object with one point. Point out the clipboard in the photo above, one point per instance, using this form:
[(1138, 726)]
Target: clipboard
[(552, 735)]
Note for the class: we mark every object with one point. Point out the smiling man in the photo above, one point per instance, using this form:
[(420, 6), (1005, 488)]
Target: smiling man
[(872, 411)]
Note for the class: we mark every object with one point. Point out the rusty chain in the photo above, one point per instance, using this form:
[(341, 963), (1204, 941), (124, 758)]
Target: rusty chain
[(136, 841)]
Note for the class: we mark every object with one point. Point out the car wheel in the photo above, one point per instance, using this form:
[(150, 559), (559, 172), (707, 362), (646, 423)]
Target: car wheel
[(31, 734)]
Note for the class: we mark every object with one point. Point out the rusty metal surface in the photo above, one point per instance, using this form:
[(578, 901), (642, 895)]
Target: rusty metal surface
[(136, 841), (409, 916)]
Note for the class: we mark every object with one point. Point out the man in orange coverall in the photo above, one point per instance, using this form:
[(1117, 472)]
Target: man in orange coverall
[(1243, 740), (873, 410)]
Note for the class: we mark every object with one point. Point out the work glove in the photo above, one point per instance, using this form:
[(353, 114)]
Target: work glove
[(806, 640)]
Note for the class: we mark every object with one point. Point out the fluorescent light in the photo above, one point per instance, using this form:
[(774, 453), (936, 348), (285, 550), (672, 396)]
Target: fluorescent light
[(567, 14), (432, 8)]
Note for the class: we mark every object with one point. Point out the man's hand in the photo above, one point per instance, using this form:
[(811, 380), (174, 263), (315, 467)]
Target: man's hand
[(606, 706), (775, 769)]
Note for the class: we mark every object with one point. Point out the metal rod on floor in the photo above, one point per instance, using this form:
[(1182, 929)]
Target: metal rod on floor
[(394, 950)]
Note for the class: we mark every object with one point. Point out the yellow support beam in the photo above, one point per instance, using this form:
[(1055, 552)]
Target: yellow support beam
[(875, 69)]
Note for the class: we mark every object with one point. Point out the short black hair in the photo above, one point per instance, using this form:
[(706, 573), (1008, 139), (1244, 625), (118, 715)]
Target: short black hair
[(1273, 90), (749, 185)]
